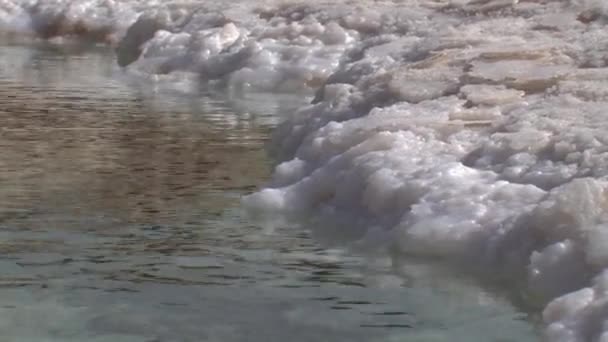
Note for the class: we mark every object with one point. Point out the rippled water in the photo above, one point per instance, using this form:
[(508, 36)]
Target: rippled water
[(120, 221)]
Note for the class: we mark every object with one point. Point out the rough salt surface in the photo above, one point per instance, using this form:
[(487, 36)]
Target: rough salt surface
[(473, 131)]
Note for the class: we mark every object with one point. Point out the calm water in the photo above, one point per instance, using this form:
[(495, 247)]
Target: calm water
[(120, 221)]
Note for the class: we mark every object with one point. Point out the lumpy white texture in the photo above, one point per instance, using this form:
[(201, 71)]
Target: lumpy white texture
[(470, 131)]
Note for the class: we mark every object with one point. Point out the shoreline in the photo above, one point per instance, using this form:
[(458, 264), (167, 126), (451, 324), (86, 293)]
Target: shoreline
[(470, 132)]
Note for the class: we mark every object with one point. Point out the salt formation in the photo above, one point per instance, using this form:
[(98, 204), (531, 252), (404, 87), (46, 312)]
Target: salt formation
[(474, 131)]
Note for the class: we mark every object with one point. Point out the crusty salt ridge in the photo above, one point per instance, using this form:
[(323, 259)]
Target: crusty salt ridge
[(472, 131), (477, 137)]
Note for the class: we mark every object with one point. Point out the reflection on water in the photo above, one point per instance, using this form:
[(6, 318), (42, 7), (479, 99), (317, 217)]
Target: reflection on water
[(71, 147), (119, 221)]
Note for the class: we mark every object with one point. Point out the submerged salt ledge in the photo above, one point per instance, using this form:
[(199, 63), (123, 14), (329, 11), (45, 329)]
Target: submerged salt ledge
[(473, 131)]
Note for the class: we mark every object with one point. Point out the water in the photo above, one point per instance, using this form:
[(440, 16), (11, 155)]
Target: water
[(120, 221)]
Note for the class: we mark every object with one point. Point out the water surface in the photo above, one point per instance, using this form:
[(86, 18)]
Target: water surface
[(120, 221)]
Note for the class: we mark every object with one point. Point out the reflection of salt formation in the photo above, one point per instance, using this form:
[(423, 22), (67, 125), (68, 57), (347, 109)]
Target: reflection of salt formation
[(473, 130), (149, 167), (68, 146)]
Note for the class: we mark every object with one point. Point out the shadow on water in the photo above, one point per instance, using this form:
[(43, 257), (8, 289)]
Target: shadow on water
[(119, 219)]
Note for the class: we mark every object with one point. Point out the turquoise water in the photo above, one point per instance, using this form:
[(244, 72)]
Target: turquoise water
[(120, 221)]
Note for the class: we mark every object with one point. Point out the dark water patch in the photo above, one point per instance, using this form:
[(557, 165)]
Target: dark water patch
[(387, 326), (339, 307), (390, 313)]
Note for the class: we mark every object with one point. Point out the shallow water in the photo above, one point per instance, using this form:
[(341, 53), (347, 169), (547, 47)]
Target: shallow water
[(120, 221)]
